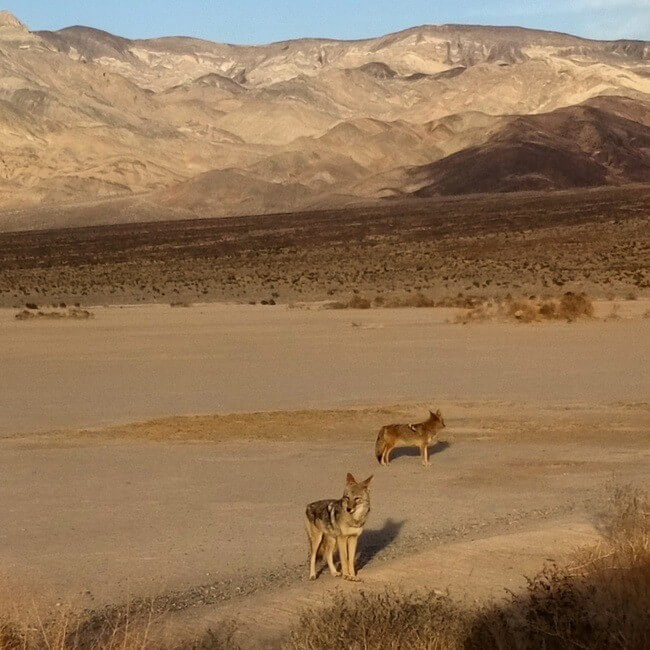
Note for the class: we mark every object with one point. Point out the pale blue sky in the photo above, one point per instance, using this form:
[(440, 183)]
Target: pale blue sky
[(261, 21)]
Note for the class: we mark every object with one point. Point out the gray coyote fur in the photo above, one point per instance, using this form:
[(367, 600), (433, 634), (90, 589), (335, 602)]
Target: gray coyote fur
[(420, 435), (338, 523)]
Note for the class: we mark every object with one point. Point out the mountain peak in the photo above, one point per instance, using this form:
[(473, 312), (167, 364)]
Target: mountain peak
[(9, 21), (11, 29)]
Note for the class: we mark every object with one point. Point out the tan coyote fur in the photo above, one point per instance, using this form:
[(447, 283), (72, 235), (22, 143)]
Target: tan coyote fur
[(420, 435), (338, 523)]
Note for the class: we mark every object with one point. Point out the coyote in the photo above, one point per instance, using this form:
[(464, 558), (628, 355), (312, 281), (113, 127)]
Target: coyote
[(420, 434), (332, 522)]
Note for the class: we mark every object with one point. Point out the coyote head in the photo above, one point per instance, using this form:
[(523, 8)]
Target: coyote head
[(437, 418), (356, 499)]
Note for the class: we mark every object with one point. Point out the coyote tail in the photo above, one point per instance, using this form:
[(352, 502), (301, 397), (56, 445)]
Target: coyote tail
[(380, 444)]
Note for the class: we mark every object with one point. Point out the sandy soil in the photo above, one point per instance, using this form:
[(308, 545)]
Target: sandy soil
[(107, 519), (152, 361)]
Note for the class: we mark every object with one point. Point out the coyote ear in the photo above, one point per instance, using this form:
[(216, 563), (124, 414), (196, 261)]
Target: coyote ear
[(438, 413), (350, 479), (365, 483)]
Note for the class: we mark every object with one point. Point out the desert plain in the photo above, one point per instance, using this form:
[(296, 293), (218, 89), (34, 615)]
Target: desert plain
[(164, 451)]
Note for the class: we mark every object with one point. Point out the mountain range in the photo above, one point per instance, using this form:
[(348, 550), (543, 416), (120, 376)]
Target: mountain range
[(100, 129)]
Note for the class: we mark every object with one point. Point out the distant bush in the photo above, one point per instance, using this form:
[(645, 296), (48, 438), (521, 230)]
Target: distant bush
[(575, 305), (358, 302), (72, 313), (570, 307)]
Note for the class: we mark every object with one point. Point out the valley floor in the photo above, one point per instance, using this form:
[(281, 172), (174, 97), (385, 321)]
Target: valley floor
[(205, 511)]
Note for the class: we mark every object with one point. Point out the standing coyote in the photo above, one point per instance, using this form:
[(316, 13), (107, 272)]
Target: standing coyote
[(420, 434), (332, 522)]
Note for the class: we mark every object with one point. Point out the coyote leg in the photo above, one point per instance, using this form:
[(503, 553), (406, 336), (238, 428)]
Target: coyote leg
[(330, 543), (315, 538), (352, 552), (425, 454), (343, 555), (388, 450)]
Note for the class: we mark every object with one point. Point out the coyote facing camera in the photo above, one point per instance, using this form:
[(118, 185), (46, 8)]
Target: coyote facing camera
[(420, 435), (338, 523)]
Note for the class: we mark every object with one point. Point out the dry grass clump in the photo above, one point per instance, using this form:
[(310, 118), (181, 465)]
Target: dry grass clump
[(71, 630), (575, 305), (570, 307), (598, 600), (110, 629), (387, 620), (74, 313)]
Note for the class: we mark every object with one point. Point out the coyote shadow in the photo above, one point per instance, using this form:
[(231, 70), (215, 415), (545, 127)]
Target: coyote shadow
[(374, 541), (437, 448)]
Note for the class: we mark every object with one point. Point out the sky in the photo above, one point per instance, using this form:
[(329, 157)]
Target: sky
[(263, 21)]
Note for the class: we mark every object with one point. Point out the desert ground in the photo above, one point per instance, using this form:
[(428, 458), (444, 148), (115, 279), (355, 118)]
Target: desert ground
[(174, 393), (157, 452)]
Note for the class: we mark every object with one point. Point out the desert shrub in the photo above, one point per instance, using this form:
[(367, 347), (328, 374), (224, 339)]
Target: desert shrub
[(81, 314), (386, 620), (113, 628), (10, 636), (599, 600), (575, 305), (548, 309), (359, 302), (626, 516), (570, 307), (524, 311), (221, 639), (602, 609), (73, 313)]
